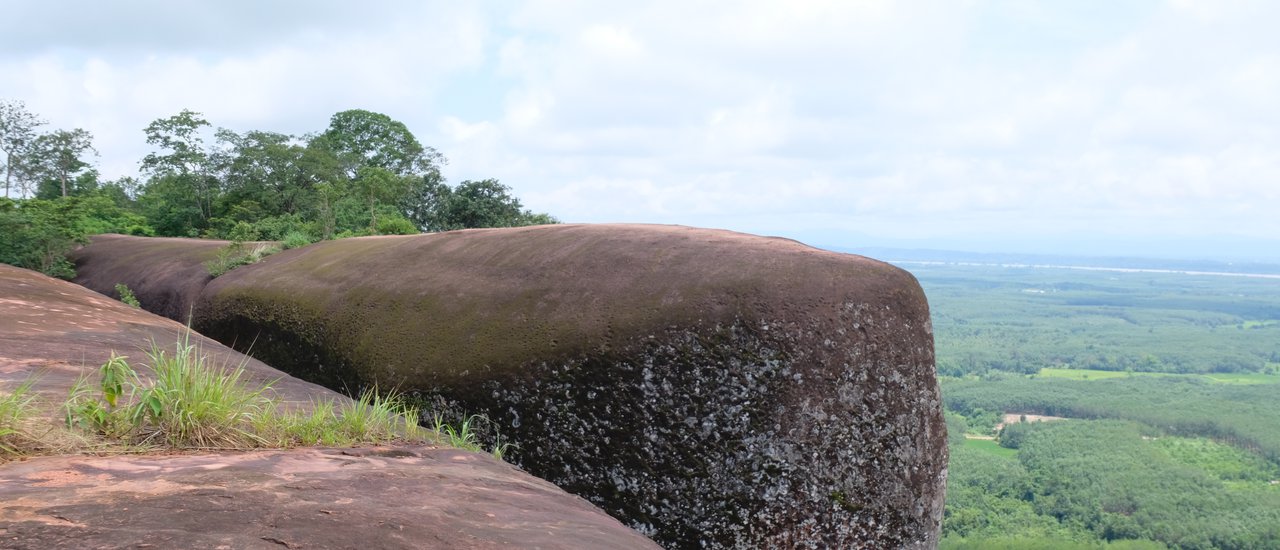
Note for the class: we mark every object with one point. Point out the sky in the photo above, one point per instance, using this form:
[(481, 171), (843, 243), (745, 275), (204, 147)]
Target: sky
[(1108, 127)]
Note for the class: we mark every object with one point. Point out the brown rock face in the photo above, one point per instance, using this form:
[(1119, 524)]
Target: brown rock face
[(60, 331), (385, 497), (401, 497), (165, 274), (706, 387)]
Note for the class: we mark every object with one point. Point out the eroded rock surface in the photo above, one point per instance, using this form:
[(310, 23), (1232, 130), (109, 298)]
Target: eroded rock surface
[(385, 497), (397, 497), (166, 274), (59, 331), (707, 387)]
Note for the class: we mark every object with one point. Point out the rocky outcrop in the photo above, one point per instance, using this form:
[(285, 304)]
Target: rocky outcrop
[(397, 497), (165, 274), (707, 387), (58, 332), (387, 497)]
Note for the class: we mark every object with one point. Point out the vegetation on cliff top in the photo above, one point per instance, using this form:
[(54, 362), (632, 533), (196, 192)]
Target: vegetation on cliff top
[(366, 174), (184, 402)]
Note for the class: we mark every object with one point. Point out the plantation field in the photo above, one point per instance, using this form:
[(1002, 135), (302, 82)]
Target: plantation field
[(1024, 319), (1108, 481), (1167, 381), (1219, 377), (989, 446)]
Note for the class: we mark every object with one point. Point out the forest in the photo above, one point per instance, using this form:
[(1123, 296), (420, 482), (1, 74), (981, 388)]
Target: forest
[(365, 174), (1159, 385), (1163, 428)]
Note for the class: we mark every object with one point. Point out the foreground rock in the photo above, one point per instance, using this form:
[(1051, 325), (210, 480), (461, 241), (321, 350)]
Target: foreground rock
[(402, 497), (59, 331), (707, 387), (407, 497)]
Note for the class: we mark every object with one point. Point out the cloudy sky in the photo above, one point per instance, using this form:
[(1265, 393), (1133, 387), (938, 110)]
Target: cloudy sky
[(1111, 127)]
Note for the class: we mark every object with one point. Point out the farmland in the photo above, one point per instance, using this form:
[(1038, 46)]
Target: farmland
[(1167, 381)]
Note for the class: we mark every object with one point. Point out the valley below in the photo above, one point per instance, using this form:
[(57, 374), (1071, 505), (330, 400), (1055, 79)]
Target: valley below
[(1162, 382)]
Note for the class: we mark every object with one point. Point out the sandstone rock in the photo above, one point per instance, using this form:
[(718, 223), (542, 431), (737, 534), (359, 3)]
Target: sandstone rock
[(707, 387), (165, 274), (401, 497), (60, 331), (396, 497)]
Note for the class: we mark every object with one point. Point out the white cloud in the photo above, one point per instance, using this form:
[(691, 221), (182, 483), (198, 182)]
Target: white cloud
[(909, 118)]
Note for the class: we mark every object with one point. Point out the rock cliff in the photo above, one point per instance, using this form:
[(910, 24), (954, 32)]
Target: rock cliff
[(706, 387), (381, 497)]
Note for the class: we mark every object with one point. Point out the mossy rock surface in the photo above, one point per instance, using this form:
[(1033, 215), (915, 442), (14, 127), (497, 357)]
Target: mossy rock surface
[(166, 275), (707, 387)]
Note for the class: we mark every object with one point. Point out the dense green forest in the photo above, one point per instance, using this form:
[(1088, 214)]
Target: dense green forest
[(1164, 383), (1023, 319), (365, 174)]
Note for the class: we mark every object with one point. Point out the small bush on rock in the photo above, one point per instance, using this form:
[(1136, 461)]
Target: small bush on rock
[(296, 239), (126, 295)]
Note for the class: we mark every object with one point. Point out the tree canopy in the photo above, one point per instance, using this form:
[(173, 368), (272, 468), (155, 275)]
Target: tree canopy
[(365, 174)]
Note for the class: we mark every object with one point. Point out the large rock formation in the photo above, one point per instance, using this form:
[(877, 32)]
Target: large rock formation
[(707, 387), (59, 332), (399, 497)]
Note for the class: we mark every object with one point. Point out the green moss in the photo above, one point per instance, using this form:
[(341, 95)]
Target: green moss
[(843, 501), (459, 302)]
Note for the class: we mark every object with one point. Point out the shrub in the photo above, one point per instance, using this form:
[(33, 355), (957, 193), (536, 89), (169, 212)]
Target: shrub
[(38, 234), (243, 232), (296, 239), (126, 295), (396, 225)]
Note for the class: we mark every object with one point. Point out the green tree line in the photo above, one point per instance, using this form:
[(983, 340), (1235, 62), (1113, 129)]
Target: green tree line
[(365, 174)]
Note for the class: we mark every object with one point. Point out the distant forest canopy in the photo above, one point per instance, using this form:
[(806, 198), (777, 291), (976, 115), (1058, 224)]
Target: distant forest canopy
[(989, 318), (366, 174)]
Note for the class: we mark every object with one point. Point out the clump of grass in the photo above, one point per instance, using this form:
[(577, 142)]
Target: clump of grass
[(191, 404), (16, 412), (375, 417), (126, 295), (237, 254), (465, 435), (188, 403)]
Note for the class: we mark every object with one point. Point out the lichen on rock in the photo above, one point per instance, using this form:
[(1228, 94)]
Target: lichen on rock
[(708, 388)]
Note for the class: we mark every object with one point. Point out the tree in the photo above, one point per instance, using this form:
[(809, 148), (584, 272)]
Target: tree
[(185, 162), (472, 204), (264, 167), (359, 138), (378, 186), (59, 156), (17, 132)]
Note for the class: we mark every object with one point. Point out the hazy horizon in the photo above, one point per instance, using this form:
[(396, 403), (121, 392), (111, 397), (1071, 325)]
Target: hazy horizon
[(1142, 128)]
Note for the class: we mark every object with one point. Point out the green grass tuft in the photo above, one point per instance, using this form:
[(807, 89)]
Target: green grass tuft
[(15, 414), (237, 254), (188, 403), (465, 435)]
